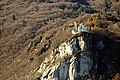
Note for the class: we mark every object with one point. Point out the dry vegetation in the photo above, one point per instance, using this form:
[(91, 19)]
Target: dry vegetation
[(29, 30)]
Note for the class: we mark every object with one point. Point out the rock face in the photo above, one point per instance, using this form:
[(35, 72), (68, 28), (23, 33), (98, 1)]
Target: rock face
[(76, 59)]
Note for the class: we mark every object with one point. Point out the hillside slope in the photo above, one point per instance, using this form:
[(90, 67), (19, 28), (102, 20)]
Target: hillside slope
[(31, 29)]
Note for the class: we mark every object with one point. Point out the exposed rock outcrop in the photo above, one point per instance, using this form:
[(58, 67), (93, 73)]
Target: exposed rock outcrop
[(79, 58)]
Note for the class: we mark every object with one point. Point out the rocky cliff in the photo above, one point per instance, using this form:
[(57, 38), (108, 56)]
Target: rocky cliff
[(82, 57), (71, 60)]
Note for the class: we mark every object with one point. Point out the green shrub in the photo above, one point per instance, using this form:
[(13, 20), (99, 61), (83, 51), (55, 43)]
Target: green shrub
[(62, 6)]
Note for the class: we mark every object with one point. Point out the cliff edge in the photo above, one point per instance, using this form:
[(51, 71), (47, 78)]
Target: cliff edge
[(82, 57)]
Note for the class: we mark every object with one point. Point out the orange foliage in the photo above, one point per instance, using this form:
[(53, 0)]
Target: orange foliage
[(93, 21), (94, 15), (88, 22), (83, 16)]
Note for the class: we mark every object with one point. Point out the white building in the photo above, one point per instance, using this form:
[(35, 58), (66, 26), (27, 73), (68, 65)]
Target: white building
[(80, 28)]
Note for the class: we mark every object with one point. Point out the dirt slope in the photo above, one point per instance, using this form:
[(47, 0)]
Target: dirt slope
[(29, 30)]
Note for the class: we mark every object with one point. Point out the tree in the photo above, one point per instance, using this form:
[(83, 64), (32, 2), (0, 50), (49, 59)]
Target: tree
[(13, 17), (116, 0), (105, 6), (82, 8), (62, 6), (76, 7), (98, 16)]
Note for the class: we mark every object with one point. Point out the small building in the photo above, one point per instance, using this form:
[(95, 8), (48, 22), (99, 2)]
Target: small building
[(82, 28), (79, 28)]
